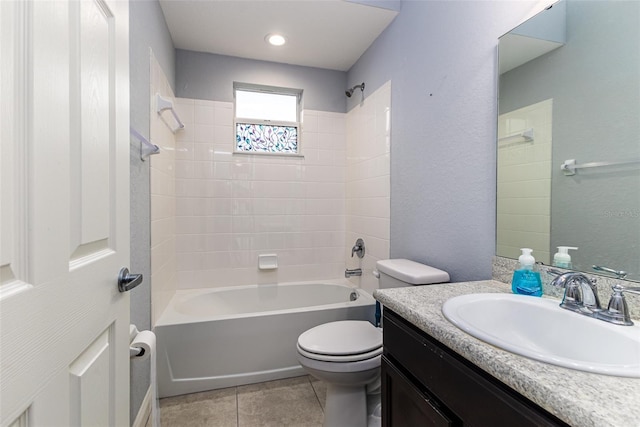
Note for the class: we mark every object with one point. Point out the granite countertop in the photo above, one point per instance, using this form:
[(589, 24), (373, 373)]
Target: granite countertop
[(578, 398)]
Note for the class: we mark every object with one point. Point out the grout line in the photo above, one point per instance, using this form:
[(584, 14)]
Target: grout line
[(315, 392), (237, 409)]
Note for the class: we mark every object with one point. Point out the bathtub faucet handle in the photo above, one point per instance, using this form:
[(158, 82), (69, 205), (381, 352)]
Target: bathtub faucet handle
[(358, 248)]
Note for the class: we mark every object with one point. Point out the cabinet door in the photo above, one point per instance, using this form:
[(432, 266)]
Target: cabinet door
[(476, 398), (405, 405)]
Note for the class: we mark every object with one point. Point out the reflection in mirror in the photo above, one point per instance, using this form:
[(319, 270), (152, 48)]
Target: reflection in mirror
[(572, 93)]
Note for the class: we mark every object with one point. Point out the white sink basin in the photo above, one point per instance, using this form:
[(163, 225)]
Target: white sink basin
[(539, 329)]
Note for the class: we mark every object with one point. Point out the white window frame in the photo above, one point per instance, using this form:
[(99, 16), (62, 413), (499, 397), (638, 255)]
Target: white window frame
[(248, 87)]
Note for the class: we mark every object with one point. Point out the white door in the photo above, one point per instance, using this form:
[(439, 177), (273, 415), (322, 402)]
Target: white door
[(64, 111)]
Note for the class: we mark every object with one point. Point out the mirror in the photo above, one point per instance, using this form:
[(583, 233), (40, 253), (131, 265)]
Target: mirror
[(569, 93)]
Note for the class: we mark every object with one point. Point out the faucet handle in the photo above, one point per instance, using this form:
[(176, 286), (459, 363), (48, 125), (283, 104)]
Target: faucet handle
[(617, 311), (358, 248)]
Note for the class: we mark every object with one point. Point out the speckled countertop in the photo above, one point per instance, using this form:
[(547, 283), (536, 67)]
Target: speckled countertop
[(578, 398)]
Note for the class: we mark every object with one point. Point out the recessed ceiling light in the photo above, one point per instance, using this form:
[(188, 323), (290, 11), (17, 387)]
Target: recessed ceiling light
[(275, 39)]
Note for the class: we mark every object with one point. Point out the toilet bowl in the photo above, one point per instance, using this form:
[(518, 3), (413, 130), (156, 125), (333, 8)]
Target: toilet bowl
[(346, 354)]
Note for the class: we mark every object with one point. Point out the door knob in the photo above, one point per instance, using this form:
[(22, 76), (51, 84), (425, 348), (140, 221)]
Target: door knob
[(128, 281)]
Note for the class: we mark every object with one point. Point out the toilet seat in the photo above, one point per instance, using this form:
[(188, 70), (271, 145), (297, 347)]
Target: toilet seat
[(340, 359), (346, 340)]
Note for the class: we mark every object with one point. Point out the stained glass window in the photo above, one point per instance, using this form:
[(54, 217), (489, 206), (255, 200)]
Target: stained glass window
[(266, 138), (267, 119)]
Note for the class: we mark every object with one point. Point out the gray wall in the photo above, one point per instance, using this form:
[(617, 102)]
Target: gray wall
[(441, 58), (147, 29), (594, 83), (208, 76)]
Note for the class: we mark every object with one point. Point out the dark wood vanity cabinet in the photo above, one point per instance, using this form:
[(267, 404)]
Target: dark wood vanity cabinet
[(424, 383)]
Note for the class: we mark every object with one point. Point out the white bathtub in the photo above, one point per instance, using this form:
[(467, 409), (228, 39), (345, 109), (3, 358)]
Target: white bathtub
[(215, 338)]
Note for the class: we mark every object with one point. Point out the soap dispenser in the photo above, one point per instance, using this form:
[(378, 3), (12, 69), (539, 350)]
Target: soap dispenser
[(562, 258), (526, 280)]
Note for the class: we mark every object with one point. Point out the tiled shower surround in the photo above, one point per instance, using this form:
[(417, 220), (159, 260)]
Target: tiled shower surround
[(230, 208), (524, 183), (368, 183)]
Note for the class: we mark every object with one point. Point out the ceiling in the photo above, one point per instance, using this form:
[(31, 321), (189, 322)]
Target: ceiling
[(329, 34)]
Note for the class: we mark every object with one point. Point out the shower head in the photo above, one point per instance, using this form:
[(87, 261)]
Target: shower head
[(349, 92)]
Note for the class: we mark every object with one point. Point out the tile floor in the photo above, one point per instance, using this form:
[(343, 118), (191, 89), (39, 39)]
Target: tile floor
[(290, 402)]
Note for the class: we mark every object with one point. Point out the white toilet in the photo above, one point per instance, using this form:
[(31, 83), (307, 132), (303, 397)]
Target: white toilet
[(346, 354)]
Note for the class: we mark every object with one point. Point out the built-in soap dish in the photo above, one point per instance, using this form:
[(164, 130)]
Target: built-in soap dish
[(267, 261)]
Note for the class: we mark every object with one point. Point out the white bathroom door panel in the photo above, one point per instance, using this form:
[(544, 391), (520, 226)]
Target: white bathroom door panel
[(64, 212)]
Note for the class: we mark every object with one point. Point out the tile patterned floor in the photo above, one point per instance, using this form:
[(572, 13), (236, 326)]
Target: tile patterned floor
[(296, 402)]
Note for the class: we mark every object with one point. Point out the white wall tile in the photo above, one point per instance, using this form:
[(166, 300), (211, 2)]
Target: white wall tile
[(201, 169), (331, 123), (525, 203), (368, 183), (309, 140), (184, 135), (203, 133), (203, 151), (232, 207), (184, 169), (223, 114), (310, 121), (223, 134), (184, 150), (203, 114)]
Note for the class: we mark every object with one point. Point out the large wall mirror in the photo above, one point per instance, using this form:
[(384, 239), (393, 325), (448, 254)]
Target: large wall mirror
[(569, 94)]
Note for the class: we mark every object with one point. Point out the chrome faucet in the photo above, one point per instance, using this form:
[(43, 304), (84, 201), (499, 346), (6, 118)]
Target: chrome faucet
[(580, 292), (355, 272), (581, 296)]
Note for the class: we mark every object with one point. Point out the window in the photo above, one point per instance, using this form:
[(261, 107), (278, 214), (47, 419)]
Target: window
[(267, 119)]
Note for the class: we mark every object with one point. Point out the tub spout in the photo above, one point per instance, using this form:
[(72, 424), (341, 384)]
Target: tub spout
[(355, 272)]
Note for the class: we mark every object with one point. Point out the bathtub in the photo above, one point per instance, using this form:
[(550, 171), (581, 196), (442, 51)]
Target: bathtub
[(215, 338)]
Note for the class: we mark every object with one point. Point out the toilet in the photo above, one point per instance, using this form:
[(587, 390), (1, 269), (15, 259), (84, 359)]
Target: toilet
[(346, 354)]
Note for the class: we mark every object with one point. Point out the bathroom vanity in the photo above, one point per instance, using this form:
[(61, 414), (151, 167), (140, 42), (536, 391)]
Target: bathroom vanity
[(425, 383), (435, 374)]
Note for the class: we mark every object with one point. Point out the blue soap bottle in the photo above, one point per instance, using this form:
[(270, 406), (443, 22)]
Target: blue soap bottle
[(526, 280)]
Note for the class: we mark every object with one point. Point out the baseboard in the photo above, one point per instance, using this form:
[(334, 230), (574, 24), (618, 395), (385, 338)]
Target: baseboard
[(144, 412)]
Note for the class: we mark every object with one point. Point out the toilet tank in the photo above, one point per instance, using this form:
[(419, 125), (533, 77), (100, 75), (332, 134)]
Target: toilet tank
[(396, 273)]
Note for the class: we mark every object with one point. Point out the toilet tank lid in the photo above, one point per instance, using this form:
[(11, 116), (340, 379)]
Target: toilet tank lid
[(412, 272)]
